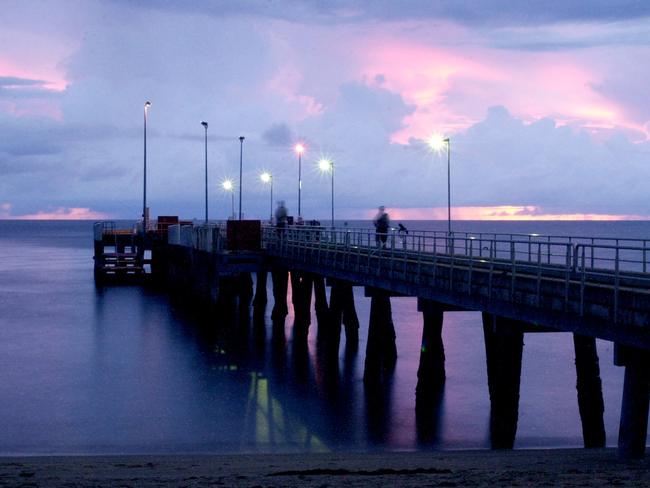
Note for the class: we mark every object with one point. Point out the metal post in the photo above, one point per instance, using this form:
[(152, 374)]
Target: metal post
[(271, 218), (299, 180), (147, 104), (448, 185), (205, 125), (241, 151), (332, 168)]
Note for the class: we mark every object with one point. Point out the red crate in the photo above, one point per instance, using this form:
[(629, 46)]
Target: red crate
[(244, 235)]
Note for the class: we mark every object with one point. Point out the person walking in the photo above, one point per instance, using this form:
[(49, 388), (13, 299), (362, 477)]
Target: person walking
[(382, 223), (281, 216)]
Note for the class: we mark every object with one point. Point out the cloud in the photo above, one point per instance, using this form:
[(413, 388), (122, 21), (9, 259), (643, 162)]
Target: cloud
[(470, 12), (60, 213), (13, 82), (497, 213), (278, 135), (363, 83)]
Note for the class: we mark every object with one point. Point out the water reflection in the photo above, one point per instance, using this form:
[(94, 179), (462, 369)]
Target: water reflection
[(250, 385)]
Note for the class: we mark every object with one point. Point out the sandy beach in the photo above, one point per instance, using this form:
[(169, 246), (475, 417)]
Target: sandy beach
[(561, 467)]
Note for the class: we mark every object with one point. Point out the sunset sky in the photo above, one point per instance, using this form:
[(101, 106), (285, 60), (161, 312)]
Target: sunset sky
[(546, 105)]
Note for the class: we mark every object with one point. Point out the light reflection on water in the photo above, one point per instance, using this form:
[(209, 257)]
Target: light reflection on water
[(126, 369)]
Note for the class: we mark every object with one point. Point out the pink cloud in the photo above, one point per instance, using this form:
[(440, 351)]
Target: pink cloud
[(38, 103), (58, 213), (287, 82), (452, 87), (501, 212)]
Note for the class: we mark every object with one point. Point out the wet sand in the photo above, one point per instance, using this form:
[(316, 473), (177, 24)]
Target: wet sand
[(561, 467)]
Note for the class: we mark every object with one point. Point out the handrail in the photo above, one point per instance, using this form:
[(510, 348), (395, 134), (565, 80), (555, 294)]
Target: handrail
[(598, 256)]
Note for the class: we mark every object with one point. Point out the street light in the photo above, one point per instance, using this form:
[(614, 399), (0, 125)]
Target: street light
[(437, 142), (267, 177), (147, 104), (228, 186), (299, 149), (241, 152), (205, 125), (327, 166)]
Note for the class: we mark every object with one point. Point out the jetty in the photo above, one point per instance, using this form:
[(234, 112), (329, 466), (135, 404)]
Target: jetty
[(593, 288)]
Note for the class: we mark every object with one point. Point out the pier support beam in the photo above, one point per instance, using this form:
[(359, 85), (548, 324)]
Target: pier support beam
[(633, 428), (503, 349), (333, 335), (245, 289), (590, 392), (342, 312), (320, 304), (431, 371), (381, 352), (350, 318), (301, 291), (260, 299), (280, 278)]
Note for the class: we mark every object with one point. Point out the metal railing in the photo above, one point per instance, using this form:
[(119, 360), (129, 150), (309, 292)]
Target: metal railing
[(209, 238), (575, 262)]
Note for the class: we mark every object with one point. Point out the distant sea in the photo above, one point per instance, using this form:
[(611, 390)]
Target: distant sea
[(127, 369)]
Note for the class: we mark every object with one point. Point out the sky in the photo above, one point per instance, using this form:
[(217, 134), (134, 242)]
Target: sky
[(545, 105)]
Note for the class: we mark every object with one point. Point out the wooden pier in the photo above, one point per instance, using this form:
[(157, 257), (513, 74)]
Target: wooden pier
[(119, 253), (592, 288)]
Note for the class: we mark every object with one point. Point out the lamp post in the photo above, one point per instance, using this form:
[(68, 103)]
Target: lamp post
[(147, 104), (241, 152), (205, 126), (299, 148), (229, 187), (446, 139), (325, 165), (268, 178), (437, 142)]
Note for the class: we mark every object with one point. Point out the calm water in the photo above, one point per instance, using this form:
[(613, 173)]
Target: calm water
[(125, 370)]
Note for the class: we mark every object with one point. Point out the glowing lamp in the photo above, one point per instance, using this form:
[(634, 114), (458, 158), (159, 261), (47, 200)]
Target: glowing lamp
[(325, 165), (227, 185), (299, 148), (266, 177), (437, 142)]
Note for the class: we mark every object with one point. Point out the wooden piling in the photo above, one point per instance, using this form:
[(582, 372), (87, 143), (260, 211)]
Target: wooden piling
[(320, 304), (590, 392), (633, 428), (503, 350), (431, 371), (245, 295), (333, 336), (349, 317), (261, 298), (280, 278), (342, 312), (301, 291), (381, 352)]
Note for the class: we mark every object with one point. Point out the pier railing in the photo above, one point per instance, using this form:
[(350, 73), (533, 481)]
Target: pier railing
[(579, 265), (210, 237)]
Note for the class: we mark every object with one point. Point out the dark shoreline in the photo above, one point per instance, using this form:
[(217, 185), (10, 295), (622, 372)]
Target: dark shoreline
[(549, 467)]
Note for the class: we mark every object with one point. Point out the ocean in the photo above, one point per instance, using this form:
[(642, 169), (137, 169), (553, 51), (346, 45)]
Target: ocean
[(129, 369)]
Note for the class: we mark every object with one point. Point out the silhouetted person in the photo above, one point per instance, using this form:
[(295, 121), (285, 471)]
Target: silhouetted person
[(402, 232), (281, 216), (382, 222)]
